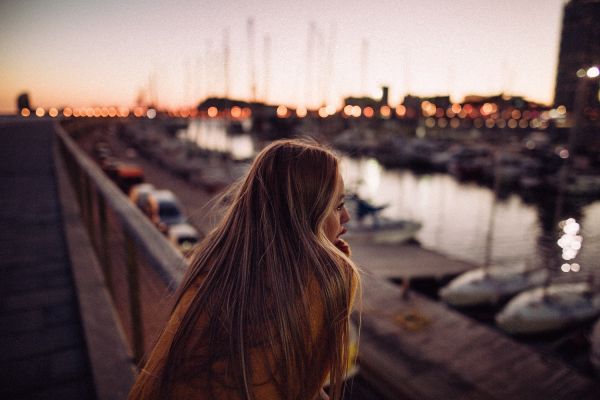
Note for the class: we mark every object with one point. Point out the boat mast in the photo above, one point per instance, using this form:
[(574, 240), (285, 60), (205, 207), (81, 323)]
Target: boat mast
[(251, 63), (226, 75), (267, 66)]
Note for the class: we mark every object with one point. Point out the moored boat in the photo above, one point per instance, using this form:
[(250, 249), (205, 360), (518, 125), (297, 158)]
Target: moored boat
[(367, 224), (549, 308), (385, 231), (489, 285)]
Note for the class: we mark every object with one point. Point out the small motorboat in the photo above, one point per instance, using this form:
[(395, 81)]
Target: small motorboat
[(489, 285), (367, 224), (384, 231), (549, 308)]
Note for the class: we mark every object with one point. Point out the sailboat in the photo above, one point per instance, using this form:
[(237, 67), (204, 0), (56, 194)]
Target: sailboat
[(551, 308), (554, 306), (559, 305), (490, 284), (367, 224)]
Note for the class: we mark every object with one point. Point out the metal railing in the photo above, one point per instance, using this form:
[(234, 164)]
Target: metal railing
[(141, 268)]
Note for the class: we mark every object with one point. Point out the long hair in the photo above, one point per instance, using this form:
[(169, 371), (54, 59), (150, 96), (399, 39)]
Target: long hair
[(262, 269)]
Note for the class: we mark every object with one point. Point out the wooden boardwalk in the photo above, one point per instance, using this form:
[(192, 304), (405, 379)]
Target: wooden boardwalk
[(421, 349), (42, 348)]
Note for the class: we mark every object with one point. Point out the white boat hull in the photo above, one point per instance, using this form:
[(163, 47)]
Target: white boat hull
[(548, 309), (490, 285)]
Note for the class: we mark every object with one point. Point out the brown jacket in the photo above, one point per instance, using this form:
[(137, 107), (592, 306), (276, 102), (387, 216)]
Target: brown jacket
[(262, 385)]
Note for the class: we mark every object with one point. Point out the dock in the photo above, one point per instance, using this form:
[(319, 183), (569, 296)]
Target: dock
[(422, 349), (45, 335)]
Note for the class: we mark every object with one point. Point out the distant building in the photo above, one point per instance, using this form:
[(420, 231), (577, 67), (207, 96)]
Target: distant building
[(362, 102), (503, 101), (369, 101), (23, 101), (579, 48), (439, 101), (221, 103), (385, 94)]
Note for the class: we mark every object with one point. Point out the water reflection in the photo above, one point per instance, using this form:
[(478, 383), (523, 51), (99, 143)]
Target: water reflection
[(212, 135), (454, 216), (462, 220)]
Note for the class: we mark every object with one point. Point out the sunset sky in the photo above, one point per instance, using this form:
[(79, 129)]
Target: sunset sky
[(83, 53)]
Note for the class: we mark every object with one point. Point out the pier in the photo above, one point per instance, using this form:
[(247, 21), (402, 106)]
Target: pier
[(86, 284), (59, 337)]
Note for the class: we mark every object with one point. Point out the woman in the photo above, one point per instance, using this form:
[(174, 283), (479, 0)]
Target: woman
[(263, 310)]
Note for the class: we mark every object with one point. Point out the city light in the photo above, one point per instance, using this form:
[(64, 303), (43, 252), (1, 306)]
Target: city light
[(429, 109), (212, 111), (123, 112), (236, 112), (369, 112), (400, 110), (53, 112), (301, 112), (25, 112), (40, 112), (385, 111), (151, 113), (282, 111), (593, 72)]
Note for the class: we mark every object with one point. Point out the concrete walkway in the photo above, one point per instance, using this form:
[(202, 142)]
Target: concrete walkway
[(42, 348)]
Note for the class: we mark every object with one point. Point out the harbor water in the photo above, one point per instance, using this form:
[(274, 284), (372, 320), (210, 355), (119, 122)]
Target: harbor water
[(462, 220)]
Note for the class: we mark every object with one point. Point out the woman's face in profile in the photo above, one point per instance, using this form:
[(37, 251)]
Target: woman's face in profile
[(337, 216)]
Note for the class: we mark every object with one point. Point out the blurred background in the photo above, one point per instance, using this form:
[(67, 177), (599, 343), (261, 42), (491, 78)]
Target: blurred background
[(469, 134)]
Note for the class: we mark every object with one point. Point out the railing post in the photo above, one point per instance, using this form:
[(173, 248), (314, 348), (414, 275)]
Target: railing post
[(134, 298), (79, 187), (89, 206), (104, 249)]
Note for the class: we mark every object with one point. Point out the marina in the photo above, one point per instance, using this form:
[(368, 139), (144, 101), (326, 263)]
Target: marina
[(425, 265), (457, 217)]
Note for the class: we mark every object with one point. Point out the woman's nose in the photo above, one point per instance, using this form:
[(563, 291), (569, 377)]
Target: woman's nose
[(345, 216)]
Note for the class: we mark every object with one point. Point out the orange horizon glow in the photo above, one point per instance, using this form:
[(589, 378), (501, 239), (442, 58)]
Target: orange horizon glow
[(109, 55)]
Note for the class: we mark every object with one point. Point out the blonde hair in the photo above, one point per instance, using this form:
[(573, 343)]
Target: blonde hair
[(256, 268)]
